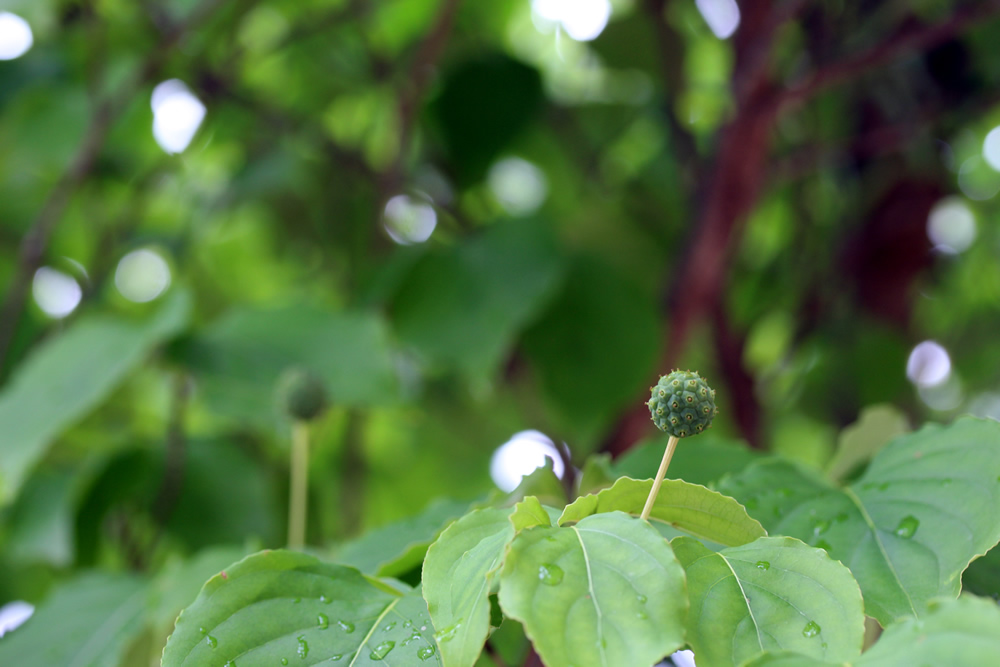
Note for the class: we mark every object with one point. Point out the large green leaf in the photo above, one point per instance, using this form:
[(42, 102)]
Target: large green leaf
[(690, 508), (464, 307), (239, 358), (400, 546), (963, 632), (457, 578), (928, 504), (607, 591), (85, 623), (774, 593), (280, 607), (68, 376)]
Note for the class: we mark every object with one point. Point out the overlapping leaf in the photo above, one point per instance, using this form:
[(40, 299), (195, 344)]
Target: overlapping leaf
[(774, 593), (606, 591), (928, 504), (690, 508), (281, 607)]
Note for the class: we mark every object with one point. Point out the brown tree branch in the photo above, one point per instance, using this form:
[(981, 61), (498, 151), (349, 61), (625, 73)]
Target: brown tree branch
[(909, 38)]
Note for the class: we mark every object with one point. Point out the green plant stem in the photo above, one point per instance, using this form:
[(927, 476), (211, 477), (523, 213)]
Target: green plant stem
[(299, 486), (667, 455)]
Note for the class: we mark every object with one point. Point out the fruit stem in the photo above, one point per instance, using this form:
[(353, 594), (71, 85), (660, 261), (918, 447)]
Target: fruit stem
[(667, 455), (299, 485)]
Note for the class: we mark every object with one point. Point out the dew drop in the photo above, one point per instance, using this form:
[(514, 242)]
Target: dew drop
[(821, 526), (763, 565), (389, 627), (211, 641), (337, 657), (549, 574), (811, 629), (642, 615), (346, 626), (412, 638), (323, 621), (407, 624), (303, 650), (382, 650), (284, 661), (325, 600), (230, 663), (447, 634), (641, 598), (907, 527), (202, 630), (426, 652)]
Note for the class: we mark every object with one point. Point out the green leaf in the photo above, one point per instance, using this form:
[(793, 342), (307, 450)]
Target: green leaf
[(774, 593), (398, 547), (457, 578), (876, 426), (594, 346), (530, 513), (965, 631), (464, 307), (690, 508), (278, 605), (68, 376), (606, 591), (239, 358), (85, 623), (701, 461), (928, 504), (597, 474)]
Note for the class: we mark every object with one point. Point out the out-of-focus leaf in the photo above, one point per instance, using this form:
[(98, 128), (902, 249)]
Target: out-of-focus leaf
[(40, 521), (68, 376), (597, 474), (464, 307), (690, 508), (85, 623), (606, 591), (701, 461), (773, 593), (457, 576), (398, 547), (482, 107), (875, 427), (543, 484), (238, 359), (279, 605), (595, 344), (983, 575), (908, 528), (179, 583)]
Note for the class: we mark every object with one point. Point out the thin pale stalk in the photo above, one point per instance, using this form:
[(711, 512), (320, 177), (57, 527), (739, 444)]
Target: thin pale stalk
[(660, 474), (299, 486)]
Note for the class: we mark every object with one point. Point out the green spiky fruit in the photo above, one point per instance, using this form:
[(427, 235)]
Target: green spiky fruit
[(682, 404), (301, 395)]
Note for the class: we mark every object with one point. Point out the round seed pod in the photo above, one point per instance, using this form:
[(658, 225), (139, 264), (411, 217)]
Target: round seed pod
[(301, 394), (682, 404)]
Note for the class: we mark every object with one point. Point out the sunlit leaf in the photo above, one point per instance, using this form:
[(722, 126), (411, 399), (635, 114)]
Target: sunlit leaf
[(605, 591), (928, 504), (774, 593)]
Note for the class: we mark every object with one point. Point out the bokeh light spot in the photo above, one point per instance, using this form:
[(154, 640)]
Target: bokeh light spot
[(142, 275), (518, 185), (56, 293), (991, 148), (408, 220), (928, 365), (951, 226), (583, 20), (722, 16), (15, 36), (177, 115), (525, 452), (13, 615)]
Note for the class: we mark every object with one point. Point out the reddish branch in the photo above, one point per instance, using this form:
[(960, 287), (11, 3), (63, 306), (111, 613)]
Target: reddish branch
[(741, 172)]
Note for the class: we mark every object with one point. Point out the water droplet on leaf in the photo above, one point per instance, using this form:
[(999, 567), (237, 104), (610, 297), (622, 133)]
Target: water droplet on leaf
[(641, 598), (811, 629), (549, 574), (382, 650), (907, 527), (323, 620), (303, 650), (346, 626), (284, 661), (763, 565), (821, 526), (426, 652), (389, 627), (211, 641)]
